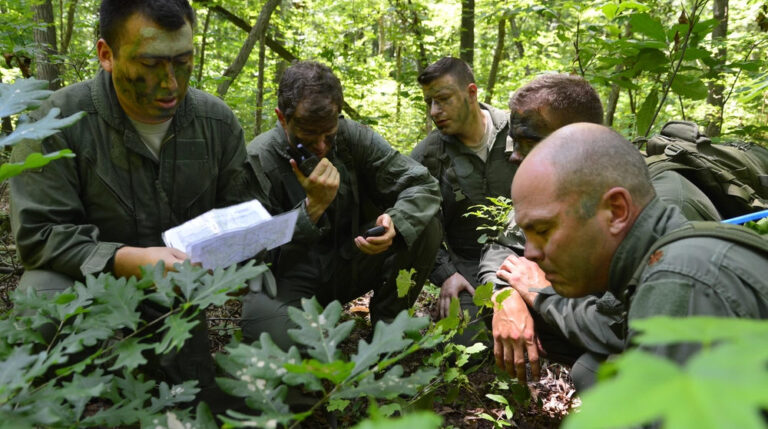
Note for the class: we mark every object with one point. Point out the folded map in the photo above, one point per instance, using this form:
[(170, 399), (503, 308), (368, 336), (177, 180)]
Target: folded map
[(222, 237)]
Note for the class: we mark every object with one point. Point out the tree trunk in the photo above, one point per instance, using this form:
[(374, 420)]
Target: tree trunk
[(467, 30), (497, 54), (45, 38), (272, 45), (610, 108), (202, 48), (260, 87), (716, 87), (256, 33), (515, 31), (67, 35)]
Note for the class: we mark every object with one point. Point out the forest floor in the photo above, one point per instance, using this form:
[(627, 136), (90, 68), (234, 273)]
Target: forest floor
[(462, 406)]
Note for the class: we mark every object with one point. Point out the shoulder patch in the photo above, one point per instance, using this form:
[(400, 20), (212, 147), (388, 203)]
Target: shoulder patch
[(655, 257)]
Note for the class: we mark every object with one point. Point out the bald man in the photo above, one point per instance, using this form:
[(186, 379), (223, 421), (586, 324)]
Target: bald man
[(553, 324), (585, 202)]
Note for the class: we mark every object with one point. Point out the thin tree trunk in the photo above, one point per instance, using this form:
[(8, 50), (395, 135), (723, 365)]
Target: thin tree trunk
[(610, 108), (467, 36), (497, 54), (45, 38), (67, 34), (273, 46), (716, 87), (515, 31), (260, 86), (203, 44), (256, 33)]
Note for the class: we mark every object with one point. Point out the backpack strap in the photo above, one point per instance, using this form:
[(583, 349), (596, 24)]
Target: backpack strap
[(733, 233)]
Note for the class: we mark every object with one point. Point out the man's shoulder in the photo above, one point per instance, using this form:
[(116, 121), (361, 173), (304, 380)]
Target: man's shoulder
[(209, 106), (499, 117), (70, 99), (431, 144)]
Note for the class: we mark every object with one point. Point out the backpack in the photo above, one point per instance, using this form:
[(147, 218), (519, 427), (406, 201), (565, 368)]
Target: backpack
[(733, 175)]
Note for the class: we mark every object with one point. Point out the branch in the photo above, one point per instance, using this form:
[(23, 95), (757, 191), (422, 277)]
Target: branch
[(694, 18), (256, 33), (271, 44)]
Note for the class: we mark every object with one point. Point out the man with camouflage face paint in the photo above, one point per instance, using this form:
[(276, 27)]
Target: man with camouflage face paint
[(151, 153)]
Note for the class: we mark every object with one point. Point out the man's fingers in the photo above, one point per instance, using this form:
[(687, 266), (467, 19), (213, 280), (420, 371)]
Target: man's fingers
[(533, 358)]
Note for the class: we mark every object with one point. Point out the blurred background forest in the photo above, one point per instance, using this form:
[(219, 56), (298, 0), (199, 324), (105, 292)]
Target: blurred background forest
[(650, 60)]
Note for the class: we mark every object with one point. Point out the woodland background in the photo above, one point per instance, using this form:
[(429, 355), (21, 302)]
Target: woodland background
[(638, 54), (651, 61)]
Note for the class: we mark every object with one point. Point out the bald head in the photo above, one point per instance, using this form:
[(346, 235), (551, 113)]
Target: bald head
[(589, 159)]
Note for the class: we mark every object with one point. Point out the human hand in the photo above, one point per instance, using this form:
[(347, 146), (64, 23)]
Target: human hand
[(451, 288), (375, 245), (321, 186), (513, 336), (129, 260), (523, 274)]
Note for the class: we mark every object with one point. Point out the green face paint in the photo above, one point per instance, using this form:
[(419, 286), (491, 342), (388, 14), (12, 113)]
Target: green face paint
[(152, 69)]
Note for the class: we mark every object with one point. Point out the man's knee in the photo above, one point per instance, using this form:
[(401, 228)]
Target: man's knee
[(584, 370), (424, 251), (45, 282), (263, 314)]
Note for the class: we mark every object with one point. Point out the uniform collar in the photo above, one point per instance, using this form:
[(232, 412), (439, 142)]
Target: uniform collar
[(654, 221)]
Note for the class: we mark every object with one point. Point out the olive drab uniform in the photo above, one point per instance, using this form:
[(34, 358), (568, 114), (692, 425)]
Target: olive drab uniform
[(696, 275), (466, 181), (322, 259), (70, 217), (559, 320)]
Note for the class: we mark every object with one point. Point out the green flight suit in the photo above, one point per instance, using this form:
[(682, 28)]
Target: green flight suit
[(322, 260), (70, 217), (562, 323), (466, 181)]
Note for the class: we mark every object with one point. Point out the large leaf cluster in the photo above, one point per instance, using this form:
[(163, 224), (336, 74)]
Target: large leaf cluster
[(263, 373), (99, 341), (724, 385)]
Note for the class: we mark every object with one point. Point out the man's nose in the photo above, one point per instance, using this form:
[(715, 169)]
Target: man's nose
[(516, 157), (434, 108), (169, 80), (533, 252)]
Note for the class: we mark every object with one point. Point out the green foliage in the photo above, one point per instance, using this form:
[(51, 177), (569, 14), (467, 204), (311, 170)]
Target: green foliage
[(98, 342), (730, 370), (262, 372), (15, 98), (761, 226), (495, 214)]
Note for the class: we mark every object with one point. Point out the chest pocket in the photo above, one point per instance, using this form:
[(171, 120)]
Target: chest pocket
[(188, 176)]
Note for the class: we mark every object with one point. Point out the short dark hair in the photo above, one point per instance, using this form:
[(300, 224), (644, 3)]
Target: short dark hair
[(168, 14), (571, 97), (313, 82), (460, 70)]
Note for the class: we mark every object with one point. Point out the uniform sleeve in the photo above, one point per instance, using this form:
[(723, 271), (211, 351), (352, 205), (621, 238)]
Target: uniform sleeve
[(590, 322), (46, 216), (413, 193)]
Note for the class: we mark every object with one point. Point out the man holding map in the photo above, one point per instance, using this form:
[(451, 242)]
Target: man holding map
[(365, 210), (150, 153)]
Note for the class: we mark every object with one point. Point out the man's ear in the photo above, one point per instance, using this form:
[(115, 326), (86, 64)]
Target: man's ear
[(281, 117), (472, 90), (620, 209), (106, 56)]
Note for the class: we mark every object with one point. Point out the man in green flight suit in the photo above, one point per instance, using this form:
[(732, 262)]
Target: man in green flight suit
[(469, 154), (538, 108), (151, 153), (585, 184), (344, 179)]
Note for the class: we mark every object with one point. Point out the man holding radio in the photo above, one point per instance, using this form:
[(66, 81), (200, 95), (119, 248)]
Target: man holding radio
[(365, 210)]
